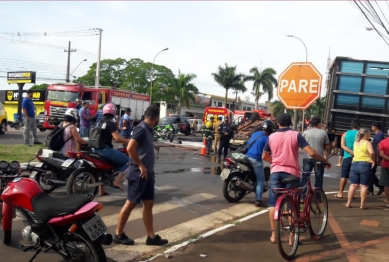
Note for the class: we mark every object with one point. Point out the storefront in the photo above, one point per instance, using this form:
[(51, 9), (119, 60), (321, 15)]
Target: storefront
[(11, 102)]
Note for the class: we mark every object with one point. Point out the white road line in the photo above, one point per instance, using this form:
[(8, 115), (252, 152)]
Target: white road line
[(181, 231), (112, 220)]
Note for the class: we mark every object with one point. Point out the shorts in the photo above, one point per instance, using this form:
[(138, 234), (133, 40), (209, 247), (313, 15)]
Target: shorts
[(360, 173), (276, 182), (384, 179), (341, 152), (346, 167), (140, 188)]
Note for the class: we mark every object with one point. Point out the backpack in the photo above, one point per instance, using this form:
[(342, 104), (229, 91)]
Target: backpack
[(55, 140), (96, 139)]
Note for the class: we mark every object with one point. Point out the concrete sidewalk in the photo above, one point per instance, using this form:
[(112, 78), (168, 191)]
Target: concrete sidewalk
[(352, 235)]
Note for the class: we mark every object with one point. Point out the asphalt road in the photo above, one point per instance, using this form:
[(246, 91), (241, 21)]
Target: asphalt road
[(14, 137), (189, 201)]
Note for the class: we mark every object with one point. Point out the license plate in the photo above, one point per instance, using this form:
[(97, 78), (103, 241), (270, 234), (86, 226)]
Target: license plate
[(225, 173), (67, 163), (95, 227)]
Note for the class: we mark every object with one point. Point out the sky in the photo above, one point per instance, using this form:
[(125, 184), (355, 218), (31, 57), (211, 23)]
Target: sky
[(200, 36)]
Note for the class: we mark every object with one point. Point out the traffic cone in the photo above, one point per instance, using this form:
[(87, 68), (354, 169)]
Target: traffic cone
[(203, 150)]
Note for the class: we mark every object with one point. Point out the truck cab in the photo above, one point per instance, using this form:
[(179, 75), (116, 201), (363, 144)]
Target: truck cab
[(216, 112)]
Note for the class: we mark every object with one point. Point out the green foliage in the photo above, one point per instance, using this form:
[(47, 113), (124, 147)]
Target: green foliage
[(228, 78), (39, 87), (265, 79)]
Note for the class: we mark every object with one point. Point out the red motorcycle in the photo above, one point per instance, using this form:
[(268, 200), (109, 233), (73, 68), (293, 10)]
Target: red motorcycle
[(68, 226), (93, 170)]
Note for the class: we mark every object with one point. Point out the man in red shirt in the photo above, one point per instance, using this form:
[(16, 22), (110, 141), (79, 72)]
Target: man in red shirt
[(384, 154)]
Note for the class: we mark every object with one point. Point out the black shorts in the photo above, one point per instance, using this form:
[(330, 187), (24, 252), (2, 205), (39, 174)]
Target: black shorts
[(140, 188)]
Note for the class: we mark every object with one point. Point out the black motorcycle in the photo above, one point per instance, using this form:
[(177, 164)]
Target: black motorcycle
[(239, 178)]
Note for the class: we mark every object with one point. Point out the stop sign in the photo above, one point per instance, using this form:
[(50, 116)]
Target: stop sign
[(299, 86)]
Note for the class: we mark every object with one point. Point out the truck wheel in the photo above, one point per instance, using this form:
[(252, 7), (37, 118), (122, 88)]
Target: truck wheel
[(42, 129), (3, 127)]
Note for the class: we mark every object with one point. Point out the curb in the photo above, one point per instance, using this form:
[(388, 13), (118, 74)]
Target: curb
[(207, 234)]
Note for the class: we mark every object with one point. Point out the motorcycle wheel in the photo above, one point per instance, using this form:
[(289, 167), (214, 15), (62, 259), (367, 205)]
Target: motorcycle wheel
[(17, 126), (228, 186), (41, 180), (73, 185), (93, 251), (7, 237)]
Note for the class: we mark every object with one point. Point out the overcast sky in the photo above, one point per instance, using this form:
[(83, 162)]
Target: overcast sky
[(200, 35)]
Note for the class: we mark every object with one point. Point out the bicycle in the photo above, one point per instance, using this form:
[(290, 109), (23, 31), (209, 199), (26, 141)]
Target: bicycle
[(290, 220)]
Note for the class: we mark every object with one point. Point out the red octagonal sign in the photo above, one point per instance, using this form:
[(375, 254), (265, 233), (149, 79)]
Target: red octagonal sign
[(299, 86)]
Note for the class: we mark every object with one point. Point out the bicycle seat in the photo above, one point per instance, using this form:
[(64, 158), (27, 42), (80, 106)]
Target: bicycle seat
[(290, 180)]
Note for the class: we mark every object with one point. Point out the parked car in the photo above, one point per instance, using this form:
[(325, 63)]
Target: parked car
[(39, 121), (3, 119), (199, 125)]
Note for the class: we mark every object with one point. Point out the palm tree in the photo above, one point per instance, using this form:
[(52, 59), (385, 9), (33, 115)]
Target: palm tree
[(262, 78), (317, 109), (228, 78), (278, 108), (184, 90), (237, 89)]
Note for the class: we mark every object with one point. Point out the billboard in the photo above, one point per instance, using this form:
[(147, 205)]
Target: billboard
[(21, 77), (12, 96)]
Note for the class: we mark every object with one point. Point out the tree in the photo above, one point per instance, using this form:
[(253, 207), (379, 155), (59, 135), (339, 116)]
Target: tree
[(184, 90), (228, 78), (317, 109), (39, 87), (262, 78), (278, 108), (237, 89)]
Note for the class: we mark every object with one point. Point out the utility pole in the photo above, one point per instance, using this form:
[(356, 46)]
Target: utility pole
[(97, 80), (68, 68)]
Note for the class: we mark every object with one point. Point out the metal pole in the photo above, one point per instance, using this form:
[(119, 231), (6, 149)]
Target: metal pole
[(20, 100), (152, 72), (68, 66), (97, 80)]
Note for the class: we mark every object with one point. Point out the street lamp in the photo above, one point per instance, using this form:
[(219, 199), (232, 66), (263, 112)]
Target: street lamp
[(369, 28), (295, 111), (152, 72), (78, 66)]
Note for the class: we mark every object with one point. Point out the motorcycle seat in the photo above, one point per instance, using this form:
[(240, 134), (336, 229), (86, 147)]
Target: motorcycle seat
[(99, 157), (59, 155), (290, 180), (46, 206)]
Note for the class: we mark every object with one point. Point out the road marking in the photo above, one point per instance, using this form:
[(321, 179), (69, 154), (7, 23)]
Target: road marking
[(112, 220), (181, 231)]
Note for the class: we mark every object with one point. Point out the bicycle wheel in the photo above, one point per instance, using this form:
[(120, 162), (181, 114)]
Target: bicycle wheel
[(318, 213), (287, 234)]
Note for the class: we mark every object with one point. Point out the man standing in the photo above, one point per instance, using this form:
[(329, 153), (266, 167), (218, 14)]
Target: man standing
[(208, 134), (347, 144), (86, 118), (195, 124), (217, 135), (226, 134), (317, 138), (283, 146), (125, 124), (78, 104), (29, 119), (141, 180), (99, 114), (378, 137)]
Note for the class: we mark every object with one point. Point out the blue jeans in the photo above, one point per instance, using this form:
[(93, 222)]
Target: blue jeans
[(260, 174), (276, 182), (308, 166), (114, 156), (84, 131)]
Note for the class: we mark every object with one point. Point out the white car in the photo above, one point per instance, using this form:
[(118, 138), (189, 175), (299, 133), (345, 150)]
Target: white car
[(199, 125)]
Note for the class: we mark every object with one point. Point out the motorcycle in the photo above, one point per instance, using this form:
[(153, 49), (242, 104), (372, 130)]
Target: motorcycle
[(92, 170), (165, 133), (239, 177), (17, 124), (49, 172)]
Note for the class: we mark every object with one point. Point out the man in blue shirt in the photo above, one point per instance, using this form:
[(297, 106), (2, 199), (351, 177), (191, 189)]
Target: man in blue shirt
[(29, 119), (378, 137), (125, 124), (256, 144), (99, 114)]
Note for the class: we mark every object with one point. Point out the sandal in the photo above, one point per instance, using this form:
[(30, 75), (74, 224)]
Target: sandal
[(338, 197), (271, 239), (338, 165), (364, 208), (104, 194), (350, 206)]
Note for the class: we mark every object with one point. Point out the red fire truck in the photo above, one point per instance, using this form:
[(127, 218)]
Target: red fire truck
[(62, 96)]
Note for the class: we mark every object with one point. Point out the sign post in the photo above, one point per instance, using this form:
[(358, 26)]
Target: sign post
[(21, 78), (299, 86)]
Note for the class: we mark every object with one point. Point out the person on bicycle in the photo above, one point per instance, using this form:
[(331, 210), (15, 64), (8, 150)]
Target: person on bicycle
[(109, 131), (283, 145), (256, 142)]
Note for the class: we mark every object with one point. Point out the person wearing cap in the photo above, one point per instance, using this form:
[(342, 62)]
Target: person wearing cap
[(125, 124), (78, 104), (86, 118), (226, 134), (282, 151), (29, 119)]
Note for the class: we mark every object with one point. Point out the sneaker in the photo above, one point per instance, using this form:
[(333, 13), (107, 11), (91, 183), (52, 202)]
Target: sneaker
[(37, 143), (156, 241), (370, 193), (122, 239), (258, 203), (380, 191)]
